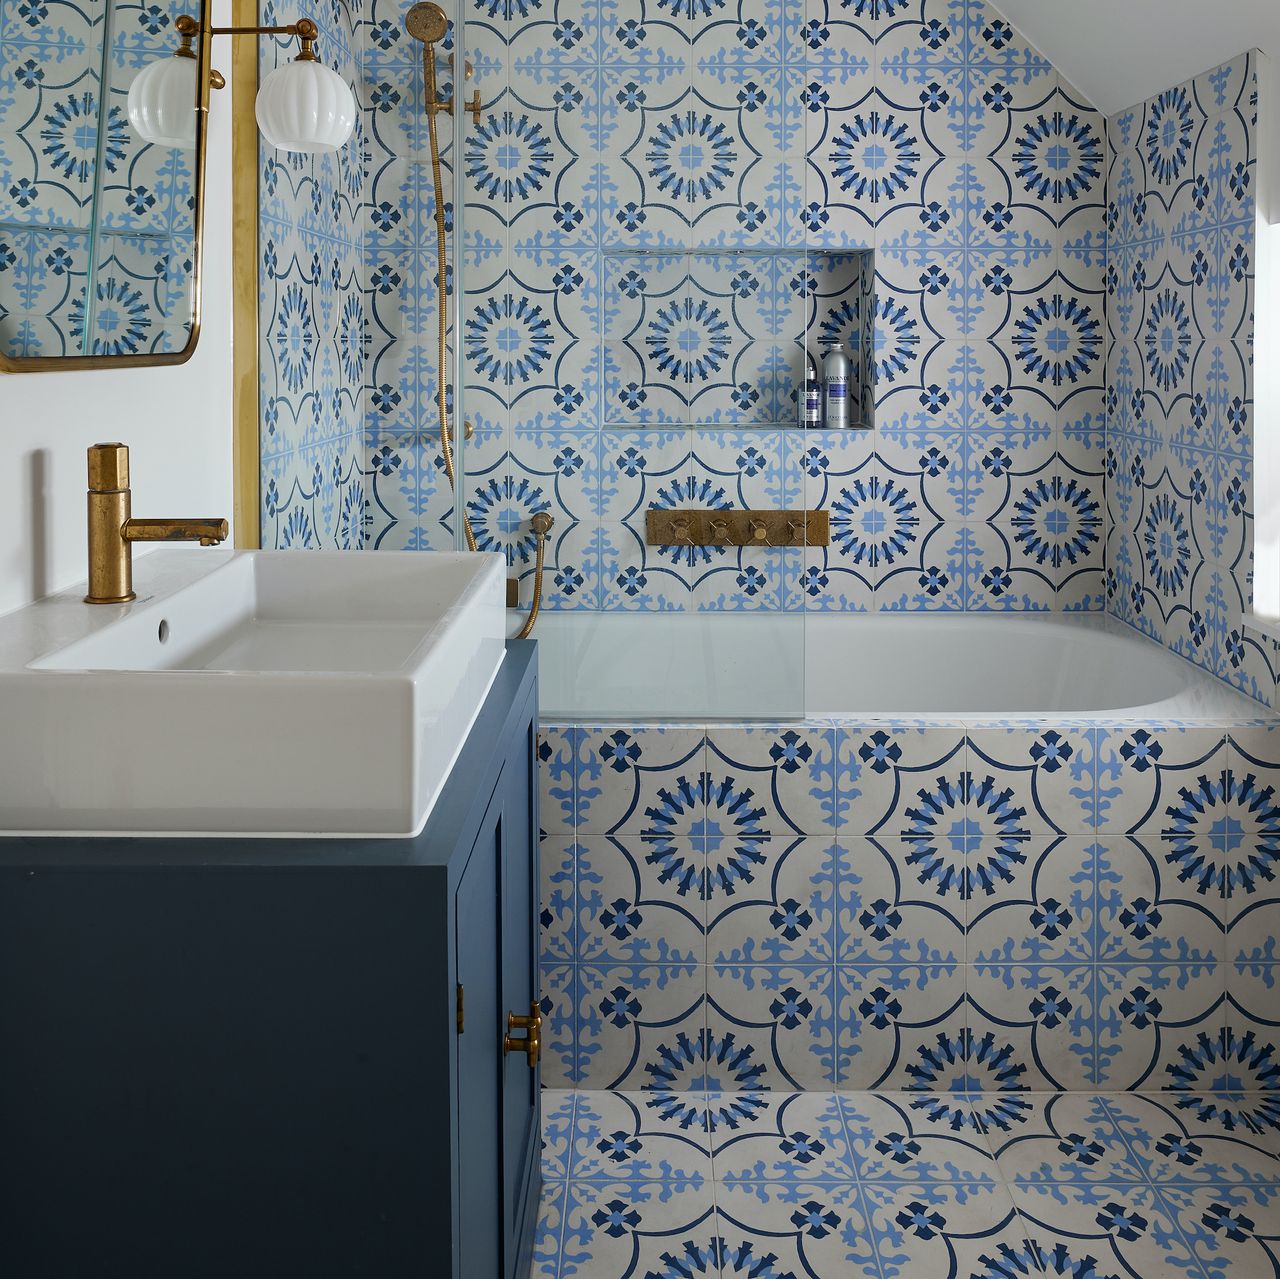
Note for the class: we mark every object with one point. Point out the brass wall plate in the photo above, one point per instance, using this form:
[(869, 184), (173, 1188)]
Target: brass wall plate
[(736, 528)]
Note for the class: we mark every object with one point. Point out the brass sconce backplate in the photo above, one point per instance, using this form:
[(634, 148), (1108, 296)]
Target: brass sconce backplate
[(736, 528)]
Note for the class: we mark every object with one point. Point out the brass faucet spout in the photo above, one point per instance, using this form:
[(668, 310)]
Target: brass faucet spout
[(206, 532), (113, 530)]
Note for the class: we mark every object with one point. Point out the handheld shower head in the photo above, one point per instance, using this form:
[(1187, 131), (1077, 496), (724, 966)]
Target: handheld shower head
[(426, 22)]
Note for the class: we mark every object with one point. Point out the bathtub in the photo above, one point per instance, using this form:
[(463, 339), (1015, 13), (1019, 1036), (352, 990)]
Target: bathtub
[(701, 667)]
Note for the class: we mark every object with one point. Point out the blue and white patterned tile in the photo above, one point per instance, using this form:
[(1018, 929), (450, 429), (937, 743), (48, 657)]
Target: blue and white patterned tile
[(793, 1229), (1038, 906), (641, 1025), (903, 1137), (892, 778), (563, 1066), (1232, 1230), (641, 1137), (774, 1024), (640, 900), (893, 908), (644, 304), (556, 1151), (772, 900), (793, 1138), (558, 750), (889, 1019), (1146, 1015), (558, 857), (1190, 1139), (1045, 776), (1157, 906), (1039, 1019), (608, 1228), (1070, 1139), (642, 780), (941, 1228), (1162, 780), (1122, 1228), (780, 778)]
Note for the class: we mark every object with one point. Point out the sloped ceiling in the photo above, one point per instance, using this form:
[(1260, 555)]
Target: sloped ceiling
[(1118, 52)]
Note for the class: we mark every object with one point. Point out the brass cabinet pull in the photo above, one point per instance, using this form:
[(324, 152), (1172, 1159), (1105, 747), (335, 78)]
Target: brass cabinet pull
[(531, 1044)]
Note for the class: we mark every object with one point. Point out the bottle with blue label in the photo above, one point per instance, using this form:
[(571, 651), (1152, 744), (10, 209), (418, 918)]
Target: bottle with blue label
[(835, 380), (812, 393)]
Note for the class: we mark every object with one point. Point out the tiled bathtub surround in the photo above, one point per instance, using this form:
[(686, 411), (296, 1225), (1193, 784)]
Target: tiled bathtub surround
[(1181, 207), (922, 907), (885, 1185)]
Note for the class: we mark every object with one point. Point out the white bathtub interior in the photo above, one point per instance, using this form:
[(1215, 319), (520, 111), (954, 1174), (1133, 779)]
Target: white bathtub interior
[(703, 667)]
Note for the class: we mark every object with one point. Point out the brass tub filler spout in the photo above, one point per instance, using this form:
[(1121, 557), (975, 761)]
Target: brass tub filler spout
[(113, 530)]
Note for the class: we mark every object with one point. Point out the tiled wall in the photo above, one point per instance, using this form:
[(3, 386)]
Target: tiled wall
[(1011, 908), (650, 193), (313, 330), (90, 238), (1181, 210)]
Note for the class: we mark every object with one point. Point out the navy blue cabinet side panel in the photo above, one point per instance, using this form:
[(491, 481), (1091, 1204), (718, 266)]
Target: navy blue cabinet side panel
[(478, 932), (521, 1085), (240, 1057)]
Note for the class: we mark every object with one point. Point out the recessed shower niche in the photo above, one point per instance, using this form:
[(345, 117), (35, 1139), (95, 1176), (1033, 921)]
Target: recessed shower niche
[(703, 338)]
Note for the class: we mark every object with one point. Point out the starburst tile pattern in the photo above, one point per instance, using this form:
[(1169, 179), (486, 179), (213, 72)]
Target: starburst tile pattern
[(660, 203), (934, 908), (1181, 203), (886, 1185)]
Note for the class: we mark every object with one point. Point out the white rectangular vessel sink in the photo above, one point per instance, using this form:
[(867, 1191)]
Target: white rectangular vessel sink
[(260, 692)]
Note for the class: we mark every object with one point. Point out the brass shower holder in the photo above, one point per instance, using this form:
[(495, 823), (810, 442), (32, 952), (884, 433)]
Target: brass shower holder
[(736, 528)]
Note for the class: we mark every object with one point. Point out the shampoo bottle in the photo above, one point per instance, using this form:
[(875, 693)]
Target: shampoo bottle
[(835, 377)]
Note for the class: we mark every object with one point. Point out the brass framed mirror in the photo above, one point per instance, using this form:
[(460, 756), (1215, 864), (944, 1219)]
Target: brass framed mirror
[(100, 232)]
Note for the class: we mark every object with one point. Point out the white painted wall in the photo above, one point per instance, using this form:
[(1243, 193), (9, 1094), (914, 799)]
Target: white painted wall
[(1120, 52), (176, 421)]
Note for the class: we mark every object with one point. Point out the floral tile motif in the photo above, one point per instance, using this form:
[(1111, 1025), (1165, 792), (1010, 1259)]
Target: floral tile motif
[(820, 1184), (643, 1026), (616, 1228), (1124, 1229), (904, 1137), (641, 1137), (779, 1137)]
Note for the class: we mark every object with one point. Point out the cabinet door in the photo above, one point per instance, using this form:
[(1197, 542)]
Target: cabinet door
[(480, 1082), (520, 990)]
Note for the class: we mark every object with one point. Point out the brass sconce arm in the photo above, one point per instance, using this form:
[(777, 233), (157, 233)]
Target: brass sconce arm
[(188, 28)]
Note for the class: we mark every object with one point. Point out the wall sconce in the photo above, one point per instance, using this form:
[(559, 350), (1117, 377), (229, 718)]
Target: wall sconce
[(301, 106)]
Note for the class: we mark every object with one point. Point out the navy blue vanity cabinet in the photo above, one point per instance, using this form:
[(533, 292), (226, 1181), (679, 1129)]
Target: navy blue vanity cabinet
[(279, 1058)]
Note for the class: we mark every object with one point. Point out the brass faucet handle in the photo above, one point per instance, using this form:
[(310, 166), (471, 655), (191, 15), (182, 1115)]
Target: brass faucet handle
[(759, 532), (108, 468), (682, 531), (474, 106), (797, 532), (719, 530)]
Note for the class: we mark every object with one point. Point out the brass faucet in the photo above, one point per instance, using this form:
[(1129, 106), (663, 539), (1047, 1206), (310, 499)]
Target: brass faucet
[(112, 530)]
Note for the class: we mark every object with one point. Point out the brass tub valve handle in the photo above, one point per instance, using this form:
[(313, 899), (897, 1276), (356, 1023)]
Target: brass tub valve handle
[(719, 530), (682, 531), (531, 1044), (759, 532)]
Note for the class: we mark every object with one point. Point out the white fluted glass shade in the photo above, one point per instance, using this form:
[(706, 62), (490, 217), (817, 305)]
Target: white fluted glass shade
[(304, 106), (162, 102)]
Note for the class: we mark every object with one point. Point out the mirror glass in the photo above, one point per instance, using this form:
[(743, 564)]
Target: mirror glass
[(97, 228)]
